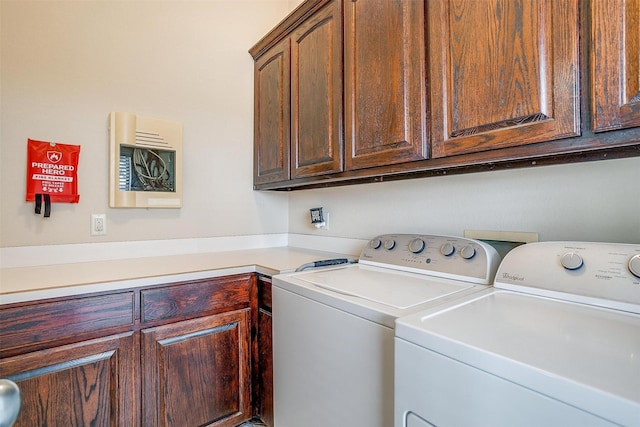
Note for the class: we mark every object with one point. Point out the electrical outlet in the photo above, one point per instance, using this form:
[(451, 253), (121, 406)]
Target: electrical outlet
[(319, 218), (324, 226), (98, 224)]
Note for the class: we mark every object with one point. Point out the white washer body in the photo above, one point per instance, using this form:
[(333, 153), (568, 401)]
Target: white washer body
[(333, 329), (547, 346)]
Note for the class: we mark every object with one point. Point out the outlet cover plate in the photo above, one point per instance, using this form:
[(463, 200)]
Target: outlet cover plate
[(98, 224)]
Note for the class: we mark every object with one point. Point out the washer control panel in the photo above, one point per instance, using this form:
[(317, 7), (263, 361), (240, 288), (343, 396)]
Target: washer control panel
[(443, 256), (605, 274)]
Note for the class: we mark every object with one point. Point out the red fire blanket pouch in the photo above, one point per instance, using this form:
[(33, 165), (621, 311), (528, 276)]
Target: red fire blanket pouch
[(52, 174)]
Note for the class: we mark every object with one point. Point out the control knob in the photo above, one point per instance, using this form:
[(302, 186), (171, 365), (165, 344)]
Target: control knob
[(634, 265), (467, 252), (389, 244), (417, 245), (375, 243), (447, 249), (571, 261)]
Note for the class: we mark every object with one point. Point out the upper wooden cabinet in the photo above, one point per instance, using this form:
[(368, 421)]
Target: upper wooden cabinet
[(382, 79), (615, 64), (298, 101), (272, 120), (316, 94), (394, 89), (385, 92), (503, 73)]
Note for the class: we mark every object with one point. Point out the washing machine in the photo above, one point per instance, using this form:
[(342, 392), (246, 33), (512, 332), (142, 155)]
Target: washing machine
[(333, 328), (555, 342)]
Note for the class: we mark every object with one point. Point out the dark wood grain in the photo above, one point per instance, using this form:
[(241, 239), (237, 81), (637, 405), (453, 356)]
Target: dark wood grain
[(511, 84), (503, 73), (385, 83), (316, 94), (301, 13), (615, 64), (36, 324), (192, 299), (198, 372), (263, 351), (90, 383), (272, 114), (264, 293), (75, 369), (254, 329), (265, 380)]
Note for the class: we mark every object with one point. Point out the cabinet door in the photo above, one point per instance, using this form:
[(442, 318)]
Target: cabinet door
[(615, 64), (272, 121), (503, 73), (316, 93), (197, 372), (90, 383), (385, 94)]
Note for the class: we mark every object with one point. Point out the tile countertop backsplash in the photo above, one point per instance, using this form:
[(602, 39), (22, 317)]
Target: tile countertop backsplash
[(32, 282)]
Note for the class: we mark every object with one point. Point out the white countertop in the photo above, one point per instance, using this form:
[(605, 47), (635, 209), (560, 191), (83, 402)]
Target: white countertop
[(38, 282)]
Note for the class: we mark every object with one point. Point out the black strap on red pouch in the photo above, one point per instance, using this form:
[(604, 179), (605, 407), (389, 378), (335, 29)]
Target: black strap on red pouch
[(38, 204), (47, 204)]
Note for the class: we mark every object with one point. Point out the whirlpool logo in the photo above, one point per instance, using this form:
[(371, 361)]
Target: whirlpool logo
[(514, 277)]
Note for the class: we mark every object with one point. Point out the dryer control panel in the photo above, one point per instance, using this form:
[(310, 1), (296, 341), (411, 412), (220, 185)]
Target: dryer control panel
[(603, 274), (442, 256)]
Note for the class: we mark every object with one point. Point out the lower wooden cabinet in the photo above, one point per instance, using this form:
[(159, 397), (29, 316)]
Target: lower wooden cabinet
[(178, 354), (197, 372), (264, 380), (90, 383)]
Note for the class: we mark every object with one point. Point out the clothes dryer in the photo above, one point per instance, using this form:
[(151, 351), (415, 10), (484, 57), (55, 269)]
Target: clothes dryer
[(555, 342)]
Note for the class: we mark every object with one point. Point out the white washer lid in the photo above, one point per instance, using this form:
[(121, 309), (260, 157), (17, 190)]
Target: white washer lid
[(586, 356), (391, 288)]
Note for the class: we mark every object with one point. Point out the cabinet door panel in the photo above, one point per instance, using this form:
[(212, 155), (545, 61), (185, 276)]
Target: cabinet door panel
[(316, 94), (91, 383), (272, 120), (615, 64), (197, 372), (504, 73), (385, 93)]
